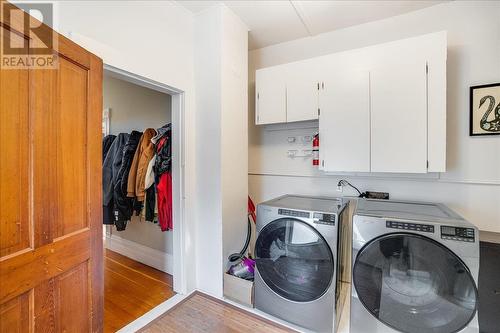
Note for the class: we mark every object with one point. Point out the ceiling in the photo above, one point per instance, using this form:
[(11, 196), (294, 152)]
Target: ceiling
[(273, 22)]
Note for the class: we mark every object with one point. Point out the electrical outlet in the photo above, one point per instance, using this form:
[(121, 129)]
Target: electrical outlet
[(306, 139)]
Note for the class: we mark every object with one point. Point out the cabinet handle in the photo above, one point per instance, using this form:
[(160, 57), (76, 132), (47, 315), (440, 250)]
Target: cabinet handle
[(323, 85), (318, 85)]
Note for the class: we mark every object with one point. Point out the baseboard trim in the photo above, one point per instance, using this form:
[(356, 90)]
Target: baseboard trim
[(143, 254)]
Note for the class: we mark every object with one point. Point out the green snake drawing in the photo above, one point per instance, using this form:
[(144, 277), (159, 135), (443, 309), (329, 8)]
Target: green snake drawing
[(490, 125)]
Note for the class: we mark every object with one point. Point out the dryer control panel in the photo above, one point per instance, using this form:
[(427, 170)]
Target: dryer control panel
[(409, 226), (457, 233), (293, 213), (322, 218)]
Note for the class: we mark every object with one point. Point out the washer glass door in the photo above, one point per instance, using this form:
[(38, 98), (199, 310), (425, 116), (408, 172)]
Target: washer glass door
[(294, 260), (414, 284)]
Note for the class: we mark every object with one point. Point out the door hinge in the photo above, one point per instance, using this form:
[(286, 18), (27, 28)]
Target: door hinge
[(322, 85)]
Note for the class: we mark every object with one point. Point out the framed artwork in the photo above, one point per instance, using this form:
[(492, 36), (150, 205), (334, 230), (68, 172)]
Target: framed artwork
[(485, 110)]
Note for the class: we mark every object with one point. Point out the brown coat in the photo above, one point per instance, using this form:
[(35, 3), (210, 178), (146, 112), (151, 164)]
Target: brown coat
[(137, 173)]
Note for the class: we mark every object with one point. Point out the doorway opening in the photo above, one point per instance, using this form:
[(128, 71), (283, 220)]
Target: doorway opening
[(143, 220)]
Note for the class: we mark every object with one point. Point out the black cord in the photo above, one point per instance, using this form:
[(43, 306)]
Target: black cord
[(344, 182), (236, 256)]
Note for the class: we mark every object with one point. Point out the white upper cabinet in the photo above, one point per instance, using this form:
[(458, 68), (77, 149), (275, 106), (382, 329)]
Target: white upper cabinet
[(344, 126), (399, 118), (302, 87), (270, 95), (382, 108)]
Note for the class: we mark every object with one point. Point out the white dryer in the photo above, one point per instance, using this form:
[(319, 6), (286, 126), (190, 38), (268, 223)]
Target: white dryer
[(298, 259), (415, 269)]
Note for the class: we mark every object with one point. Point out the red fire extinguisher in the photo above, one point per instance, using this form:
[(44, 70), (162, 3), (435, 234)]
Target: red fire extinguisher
[(315, 150)]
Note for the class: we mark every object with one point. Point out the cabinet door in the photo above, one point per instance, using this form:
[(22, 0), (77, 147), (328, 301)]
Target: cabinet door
[(270, 96), (399, 118), (302, 87), (344, 123)]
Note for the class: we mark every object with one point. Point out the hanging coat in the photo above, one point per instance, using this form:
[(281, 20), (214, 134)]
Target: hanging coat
[(123, 205), (106, 144), (162, 171), (110, 168), (137, 174)]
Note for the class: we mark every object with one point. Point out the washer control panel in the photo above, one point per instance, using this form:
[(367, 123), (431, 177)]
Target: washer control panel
[(293, 213), (457, 233), (409, 226), (321, 218)]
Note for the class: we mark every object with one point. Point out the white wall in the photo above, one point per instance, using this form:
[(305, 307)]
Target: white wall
[(471, 185), (221, 100), (157, 40), (208, 102), (153, 39), (234, 132), (136, 108)]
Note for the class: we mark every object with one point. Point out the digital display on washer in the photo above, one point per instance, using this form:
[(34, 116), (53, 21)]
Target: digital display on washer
[(409, 226), (458, 234), (294, 213), (324, 218)]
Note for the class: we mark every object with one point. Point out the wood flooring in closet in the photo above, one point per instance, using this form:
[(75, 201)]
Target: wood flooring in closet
[(131, 289)]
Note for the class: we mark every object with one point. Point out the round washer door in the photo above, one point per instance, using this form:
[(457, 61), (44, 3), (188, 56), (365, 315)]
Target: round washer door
[(294, 260), (414, 284)]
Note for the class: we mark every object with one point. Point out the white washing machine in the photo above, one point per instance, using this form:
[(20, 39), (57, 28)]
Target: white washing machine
[(298, 276), (415, 269)]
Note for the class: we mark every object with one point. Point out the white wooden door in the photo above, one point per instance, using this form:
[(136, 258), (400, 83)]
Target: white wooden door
[(270, 95), (302, 87), (344, 122), (399, 118)]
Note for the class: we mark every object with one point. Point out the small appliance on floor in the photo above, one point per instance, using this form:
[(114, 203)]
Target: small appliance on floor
[(415, 269), (298, 268)]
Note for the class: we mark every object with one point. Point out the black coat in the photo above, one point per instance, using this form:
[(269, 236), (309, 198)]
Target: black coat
[(163, 161), (123, 206), (106, 144), (110, 168)]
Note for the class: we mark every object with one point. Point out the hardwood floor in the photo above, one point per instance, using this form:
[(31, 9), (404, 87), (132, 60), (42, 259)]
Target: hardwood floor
[(131, 289), (202, 313)]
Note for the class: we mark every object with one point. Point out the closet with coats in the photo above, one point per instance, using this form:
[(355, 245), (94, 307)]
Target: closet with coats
[(137, 176), (137, 200)]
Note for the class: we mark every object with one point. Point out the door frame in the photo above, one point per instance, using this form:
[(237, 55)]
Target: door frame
[(178, 167)]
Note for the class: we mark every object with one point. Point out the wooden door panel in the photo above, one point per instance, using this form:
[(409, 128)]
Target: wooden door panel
[(14, 159), (45, 307), (64, 304), (25, 271), (71, 120), (73, 312), (51, 276), (43, 125), (15, 315)]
